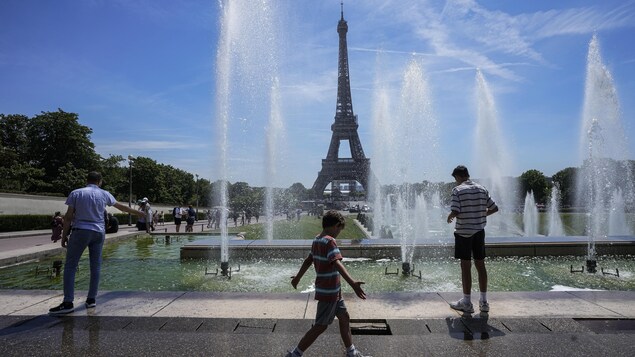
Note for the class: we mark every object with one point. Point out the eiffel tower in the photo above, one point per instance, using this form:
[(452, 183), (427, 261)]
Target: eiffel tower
[(356, 168)]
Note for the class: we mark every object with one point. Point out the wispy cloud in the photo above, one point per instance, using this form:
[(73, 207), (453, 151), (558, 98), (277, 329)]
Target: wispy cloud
[(475, 35), (576, 21), (149, 145), (381, 51)]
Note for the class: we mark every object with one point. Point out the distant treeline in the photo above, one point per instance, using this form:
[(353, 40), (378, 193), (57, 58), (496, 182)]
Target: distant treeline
[(51, 153)]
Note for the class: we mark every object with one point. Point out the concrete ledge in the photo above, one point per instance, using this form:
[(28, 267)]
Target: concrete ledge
[(395, 306), (389, 248)]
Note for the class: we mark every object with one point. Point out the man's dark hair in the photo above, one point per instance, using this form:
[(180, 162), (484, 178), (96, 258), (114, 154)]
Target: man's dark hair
[(461, 171), (93, 177), (332, 218)]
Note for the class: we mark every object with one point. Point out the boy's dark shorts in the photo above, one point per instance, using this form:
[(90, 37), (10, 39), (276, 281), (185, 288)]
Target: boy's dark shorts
[(466, 247), (327, 310), (177, 221)]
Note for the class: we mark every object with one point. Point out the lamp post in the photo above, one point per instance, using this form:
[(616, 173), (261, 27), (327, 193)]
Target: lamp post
[(196, 196), (130, 160)]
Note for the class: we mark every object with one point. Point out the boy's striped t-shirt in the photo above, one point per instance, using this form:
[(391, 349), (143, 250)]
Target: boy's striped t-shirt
[(471, 201), (327, 279)]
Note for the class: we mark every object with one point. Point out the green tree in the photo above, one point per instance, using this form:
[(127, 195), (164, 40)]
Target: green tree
[(57, 138), (69, 178), (534, 180), (115, 176), (146, 180), (204, 193), (298, 191), (24, 178), (565, 180), (13, 139)]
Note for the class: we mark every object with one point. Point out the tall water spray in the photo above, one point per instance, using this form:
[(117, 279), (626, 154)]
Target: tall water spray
[(530, 216), (275, 136), (602, 142), (406, 147), (246, 78), (382, 160), (492, 159), (556, 228)]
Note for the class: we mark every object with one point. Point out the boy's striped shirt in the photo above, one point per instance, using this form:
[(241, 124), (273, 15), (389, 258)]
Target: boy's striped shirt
[(327, 279), (471, 201)]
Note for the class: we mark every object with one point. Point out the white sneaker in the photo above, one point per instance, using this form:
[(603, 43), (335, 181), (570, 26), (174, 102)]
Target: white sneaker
[(356, 353), (483, 306), (462, 305)]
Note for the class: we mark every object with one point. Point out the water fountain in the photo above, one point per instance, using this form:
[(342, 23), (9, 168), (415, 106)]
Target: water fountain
[(275, 136), (602, 141), (492, 160), (410, 213), (530, 216), (246, 67), (401, 141), (555, 221)]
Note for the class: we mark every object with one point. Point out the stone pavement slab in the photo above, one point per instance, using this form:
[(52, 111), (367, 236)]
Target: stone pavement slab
[(15, 301), (237, 305), (620, 302), (541, 303), (397, 305)]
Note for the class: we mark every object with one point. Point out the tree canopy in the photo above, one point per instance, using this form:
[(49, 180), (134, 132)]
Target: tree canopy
[(534, 180)]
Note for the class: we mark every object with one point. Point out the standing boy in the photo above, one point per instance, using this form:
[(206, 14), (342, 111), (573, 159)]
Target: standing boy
[(471, 204), (327, 260)]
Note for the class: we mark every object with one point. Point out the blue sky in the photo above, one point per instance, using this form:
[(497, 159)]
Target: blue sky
[(142, 74)]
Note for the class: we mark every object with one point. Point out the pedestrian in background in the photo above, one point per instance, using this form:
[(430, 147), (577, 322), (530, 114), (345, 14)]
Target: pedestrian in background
[(57, 226)]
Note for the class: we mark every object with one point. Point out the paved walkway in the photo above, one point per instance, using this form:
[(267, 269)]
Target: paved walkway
[(179, 323)]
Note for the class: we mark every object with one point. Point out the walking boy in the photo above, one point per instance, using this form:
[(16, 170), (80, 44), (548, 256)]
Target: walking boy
[(327, 260), (471, 204)]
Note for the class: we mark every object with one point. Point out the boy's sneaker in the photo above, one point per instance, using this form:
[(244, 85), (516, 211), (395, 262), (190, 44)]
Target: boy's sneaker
[(356, 353), (90, 303), (291, 354), (63, 309), (483, 306), (461, 305)]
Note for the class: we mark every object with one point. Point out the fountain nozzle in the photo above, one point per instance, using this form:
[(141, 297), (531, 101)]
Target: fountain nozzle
[(405, 268), (57, 268), (591, 266), (224, 266)]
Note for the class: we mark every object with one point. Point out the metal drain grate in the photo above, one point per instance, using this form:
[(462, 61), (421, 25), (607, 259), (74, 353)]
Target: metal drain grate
[(370, 327), (255, 327)]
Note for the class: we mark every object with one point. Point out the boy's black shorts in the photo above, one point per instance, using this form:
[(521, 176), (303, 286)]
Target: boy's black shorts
[(465, 247)]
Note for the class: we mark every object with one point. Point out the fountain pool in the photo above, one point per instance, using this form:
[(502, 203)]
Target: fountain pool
[(149, 264)]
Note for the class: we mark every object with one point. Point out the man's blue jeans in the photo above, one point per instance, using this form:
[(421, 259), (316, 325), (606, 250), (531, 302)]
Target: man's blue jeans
[(79, 240)]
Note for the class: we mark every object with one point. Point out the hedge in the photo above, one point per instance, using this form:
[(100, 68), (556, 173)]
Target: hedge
[(24, 222), (29, 222)]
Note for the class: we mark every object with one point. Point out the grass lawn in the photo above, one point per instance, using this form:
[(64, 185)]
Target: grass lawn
[(307, 228)]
